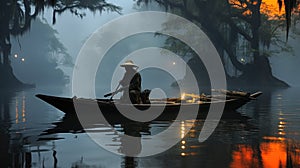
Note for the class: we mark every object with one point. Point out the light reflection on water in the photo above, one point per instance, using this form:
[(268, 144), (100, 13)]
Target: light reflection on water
[(35, 134)]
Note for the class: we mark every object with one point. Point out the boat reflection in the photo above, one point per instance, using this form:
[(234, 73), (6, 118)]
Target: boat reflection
[(120, 141), (270, 141), (132, 146), (68, 124), (270, 151)]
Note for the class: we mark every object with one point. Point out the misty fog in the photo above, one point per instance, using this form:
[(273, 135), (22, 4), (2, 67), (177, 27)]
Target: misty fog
[(37, 56), (285, 65), (72, 32)]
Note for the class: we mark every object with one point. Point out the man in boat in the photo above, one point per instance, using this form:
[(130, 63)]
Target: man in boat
[(131, 83)]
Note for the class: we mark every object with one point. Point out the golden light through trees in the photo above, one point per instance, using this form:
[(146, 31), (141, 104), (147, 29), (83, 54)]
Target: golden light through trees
[(271, 9), (268, 7)]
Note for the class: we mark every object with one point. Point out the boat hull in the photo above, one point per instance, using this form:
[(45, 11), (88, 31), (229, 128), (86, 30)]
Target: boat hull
[(89, 109)]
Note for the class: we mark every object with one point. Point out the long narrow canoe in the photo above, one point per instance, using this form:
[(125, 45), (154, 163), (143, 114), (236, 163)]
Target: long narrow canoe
[(168, 108)]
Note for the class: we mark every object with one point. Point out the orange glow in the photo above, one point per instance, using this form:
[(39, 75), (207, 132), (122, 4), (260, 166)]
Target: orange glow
[(23, 110), (243, 157), (282, 123), (17, 112), (247, 12), (273, 154), (268, 7), (271, 8), (274, 138)]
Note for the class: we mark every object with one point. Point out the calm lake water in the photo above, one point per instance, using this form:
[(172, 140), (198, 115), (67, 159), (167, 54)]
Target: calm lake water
[(34, 134)]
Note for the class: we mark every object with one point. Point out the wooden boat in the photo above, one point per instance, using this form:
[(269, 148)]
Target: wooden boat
[(168, 108)]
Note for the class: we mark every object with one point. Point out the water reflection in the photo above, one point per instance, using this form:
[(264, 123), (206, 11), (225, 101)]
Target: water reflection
[(132, 146), (68, 124), (12, 143), (272, 153), (18, 136), (34, 135), (20, 108), (5, 124), (275, 148)]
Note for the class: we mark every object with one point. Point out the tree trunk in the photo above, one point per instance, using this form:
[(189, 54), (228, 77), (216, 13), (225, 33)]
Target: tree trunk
[(259, 73), (255, 26)]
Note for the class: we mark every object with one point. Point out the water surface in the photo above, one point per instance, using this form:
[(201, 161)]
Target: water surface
[(34, 134)]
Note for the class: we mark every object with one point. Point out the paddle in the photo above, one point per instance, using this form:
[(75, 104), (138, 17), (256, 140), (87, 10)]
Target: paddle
[(113, 93), (108, 94)]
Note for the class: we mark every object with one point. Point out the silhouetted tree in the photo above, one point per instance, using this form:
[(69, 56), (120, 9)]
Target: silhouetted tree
[(16, 17), (289, 6), (232, 26)]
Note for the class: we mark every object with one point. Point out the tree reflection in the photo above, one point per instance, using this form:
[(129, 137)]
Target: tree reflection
[(273, 147), (264, 140), (11, 144), (274, 154), (4, 127)]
